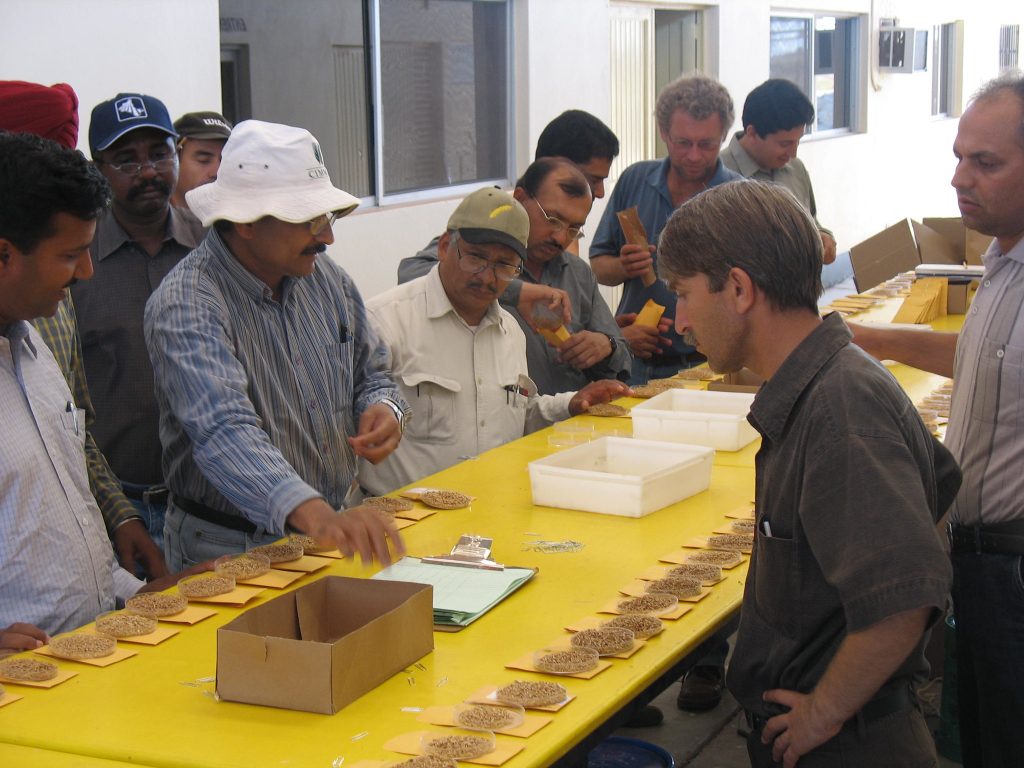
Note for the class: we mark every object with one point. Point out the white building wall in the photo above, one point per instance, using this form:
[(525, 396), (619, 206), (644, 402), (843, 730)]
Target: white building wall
[(900, 167)]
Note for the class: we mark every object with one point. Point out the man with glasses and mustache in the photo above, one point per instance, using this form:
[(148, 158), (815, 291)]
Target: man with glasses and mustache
[(138, 241), (557, 198), (270, 382), (694, 115), (458, 356)]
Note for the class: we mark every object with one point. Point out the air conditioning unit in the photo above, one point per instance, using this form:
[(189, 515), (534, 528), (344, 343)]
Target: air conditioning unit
[(896, 49)]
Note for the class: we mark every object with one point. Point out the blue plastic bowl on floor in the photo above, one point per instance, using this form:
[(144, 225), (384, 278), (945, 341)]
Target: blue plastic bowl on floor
[(620, 752)]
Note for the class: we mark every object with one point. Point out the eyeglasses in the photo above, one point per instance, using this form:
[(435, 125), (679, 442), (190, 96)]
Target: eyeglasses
[(322, 222), (704, 146), (559, 226), (474, 265), (160, 165)]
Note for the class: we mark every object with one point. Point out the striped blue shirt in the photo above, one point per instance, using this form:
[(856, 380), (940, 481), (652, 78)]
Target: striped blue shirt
[(57, 569), (258, 396)]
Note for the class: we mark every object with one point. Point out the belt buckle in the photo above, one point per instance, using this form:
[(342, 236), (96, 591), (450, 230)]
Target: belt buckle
[(154, 492)]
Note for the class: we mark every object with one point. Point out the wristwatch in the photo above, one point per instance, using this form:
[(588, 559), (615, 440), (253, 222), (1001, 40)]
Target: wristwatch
[(399, 413)]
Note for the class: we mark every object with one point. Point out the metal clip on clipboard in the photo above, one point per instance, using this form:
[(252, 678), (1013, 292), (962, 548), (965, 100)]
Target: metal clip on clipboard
[(469, 552)]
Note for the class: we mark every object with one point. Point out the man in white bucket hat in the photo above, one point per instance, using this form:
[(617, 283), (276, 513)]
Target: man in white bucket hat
[(269, 380)]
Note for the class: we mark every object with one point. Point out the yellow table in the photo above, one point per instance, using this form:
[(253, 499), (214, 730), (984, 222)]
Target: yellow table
[(158, 709), (150, 709), (13, 756)]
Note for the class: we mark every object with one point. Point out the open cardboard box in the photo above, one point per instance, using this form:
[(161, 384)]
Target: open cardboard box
[(904, 245), (969, 245), (322, 646), (744, 380)]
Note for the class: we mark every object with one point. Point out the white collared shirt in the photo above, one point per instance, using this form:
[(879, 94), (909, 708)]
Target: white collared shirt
[(57, 568), (465, 385)]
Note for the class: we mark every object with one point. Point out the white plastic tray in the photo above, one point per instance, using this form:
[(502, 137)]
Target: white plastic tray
[(714, 419), (621, 476)]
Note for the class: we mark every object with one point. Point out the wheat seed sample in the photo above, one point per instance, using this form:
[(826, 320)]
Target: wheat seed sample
[(390, 504), (459, 747), (706, 572), (607, 409), (641, 625), (487, 717), (649, 389), (742, 526), (82, 646), (445, 499), (310, 546), (24, 669), (281, 552), (680, 586), (530, 693), (696, 374), (568, 662), (426, 761), (607, 641), (125, 624), (156, 604), (206, 585), (719, 558), (244, 566), (652, 602), (731, 541)]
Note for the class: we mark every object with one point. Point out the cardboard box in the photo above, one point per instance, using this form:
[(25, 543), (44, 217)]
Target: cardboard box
[(742, 381), (324, 645), (968, 244), (906, 244), (884, 255)]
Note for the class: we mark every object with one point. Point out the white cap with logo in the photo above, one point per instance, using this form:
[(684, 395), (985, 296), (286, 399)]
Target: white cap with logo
[(268, 169)]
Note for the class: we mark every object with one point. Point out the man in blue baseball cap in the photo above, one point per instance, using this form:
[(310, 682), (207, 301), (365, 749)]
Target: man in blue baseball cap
[(138, 241)]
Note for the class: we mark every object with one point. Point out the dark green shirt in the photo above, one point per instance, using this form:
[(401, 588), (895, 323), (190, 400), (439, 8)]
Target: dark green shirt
[(850, 485)]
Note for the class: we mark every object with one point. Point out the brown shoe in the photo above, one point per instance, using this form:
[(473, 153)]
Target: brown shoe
[(701, 689)]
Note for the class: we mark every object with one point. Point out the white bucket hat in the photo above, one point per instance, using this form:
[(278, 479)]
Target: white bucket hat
[(269, 169)]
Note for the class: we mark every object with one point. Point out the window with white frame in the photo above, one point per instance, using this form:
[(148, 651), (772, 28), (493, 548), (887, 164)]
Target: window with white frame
[(406, 98), (945, 69), (821, 54), (1009, 47)]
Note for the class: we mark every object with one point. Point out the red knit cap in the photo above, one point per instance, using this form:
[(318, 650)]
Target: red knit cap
[(50, 112)]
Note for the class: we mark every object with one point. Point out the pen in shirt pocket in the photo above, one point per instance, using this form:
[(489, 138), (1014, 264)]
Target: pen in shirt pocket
[(767, 528)]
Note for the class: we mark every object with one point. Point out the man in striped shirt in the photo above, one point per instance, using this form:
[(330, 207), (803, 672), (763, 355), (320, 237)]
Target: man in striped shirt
[(269, 380), (985, 432)]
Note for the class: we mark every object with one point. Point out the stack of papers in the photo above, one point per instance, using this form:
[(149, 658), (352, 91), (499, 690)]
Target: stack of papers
[(926, 302), (461, 595)]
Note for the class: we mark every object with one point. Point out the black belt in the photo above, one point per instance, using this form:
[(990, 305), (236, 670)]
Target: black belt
[(994, 539), (882, 705), (155, 493), (214, 516)]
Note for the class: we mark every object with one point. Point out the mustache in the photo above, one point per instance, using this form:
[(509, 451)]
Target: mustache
[(318, 248), (690, 338), (477, 285), (157, 184)]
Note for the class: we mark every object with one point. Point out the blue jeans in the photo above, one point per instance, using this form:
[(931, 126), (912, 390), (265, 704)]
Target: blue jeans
[(151, 512), (988, 605), (191, 540)]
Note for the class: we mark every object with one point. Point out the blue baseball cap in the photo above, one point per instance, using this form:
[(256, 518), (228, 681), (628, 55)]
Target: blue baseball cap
[(124, 113)]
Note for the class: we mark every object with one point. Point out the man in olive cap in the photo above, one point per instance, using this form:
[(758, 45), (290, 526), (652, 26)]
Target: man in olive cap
[(458, 357)]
